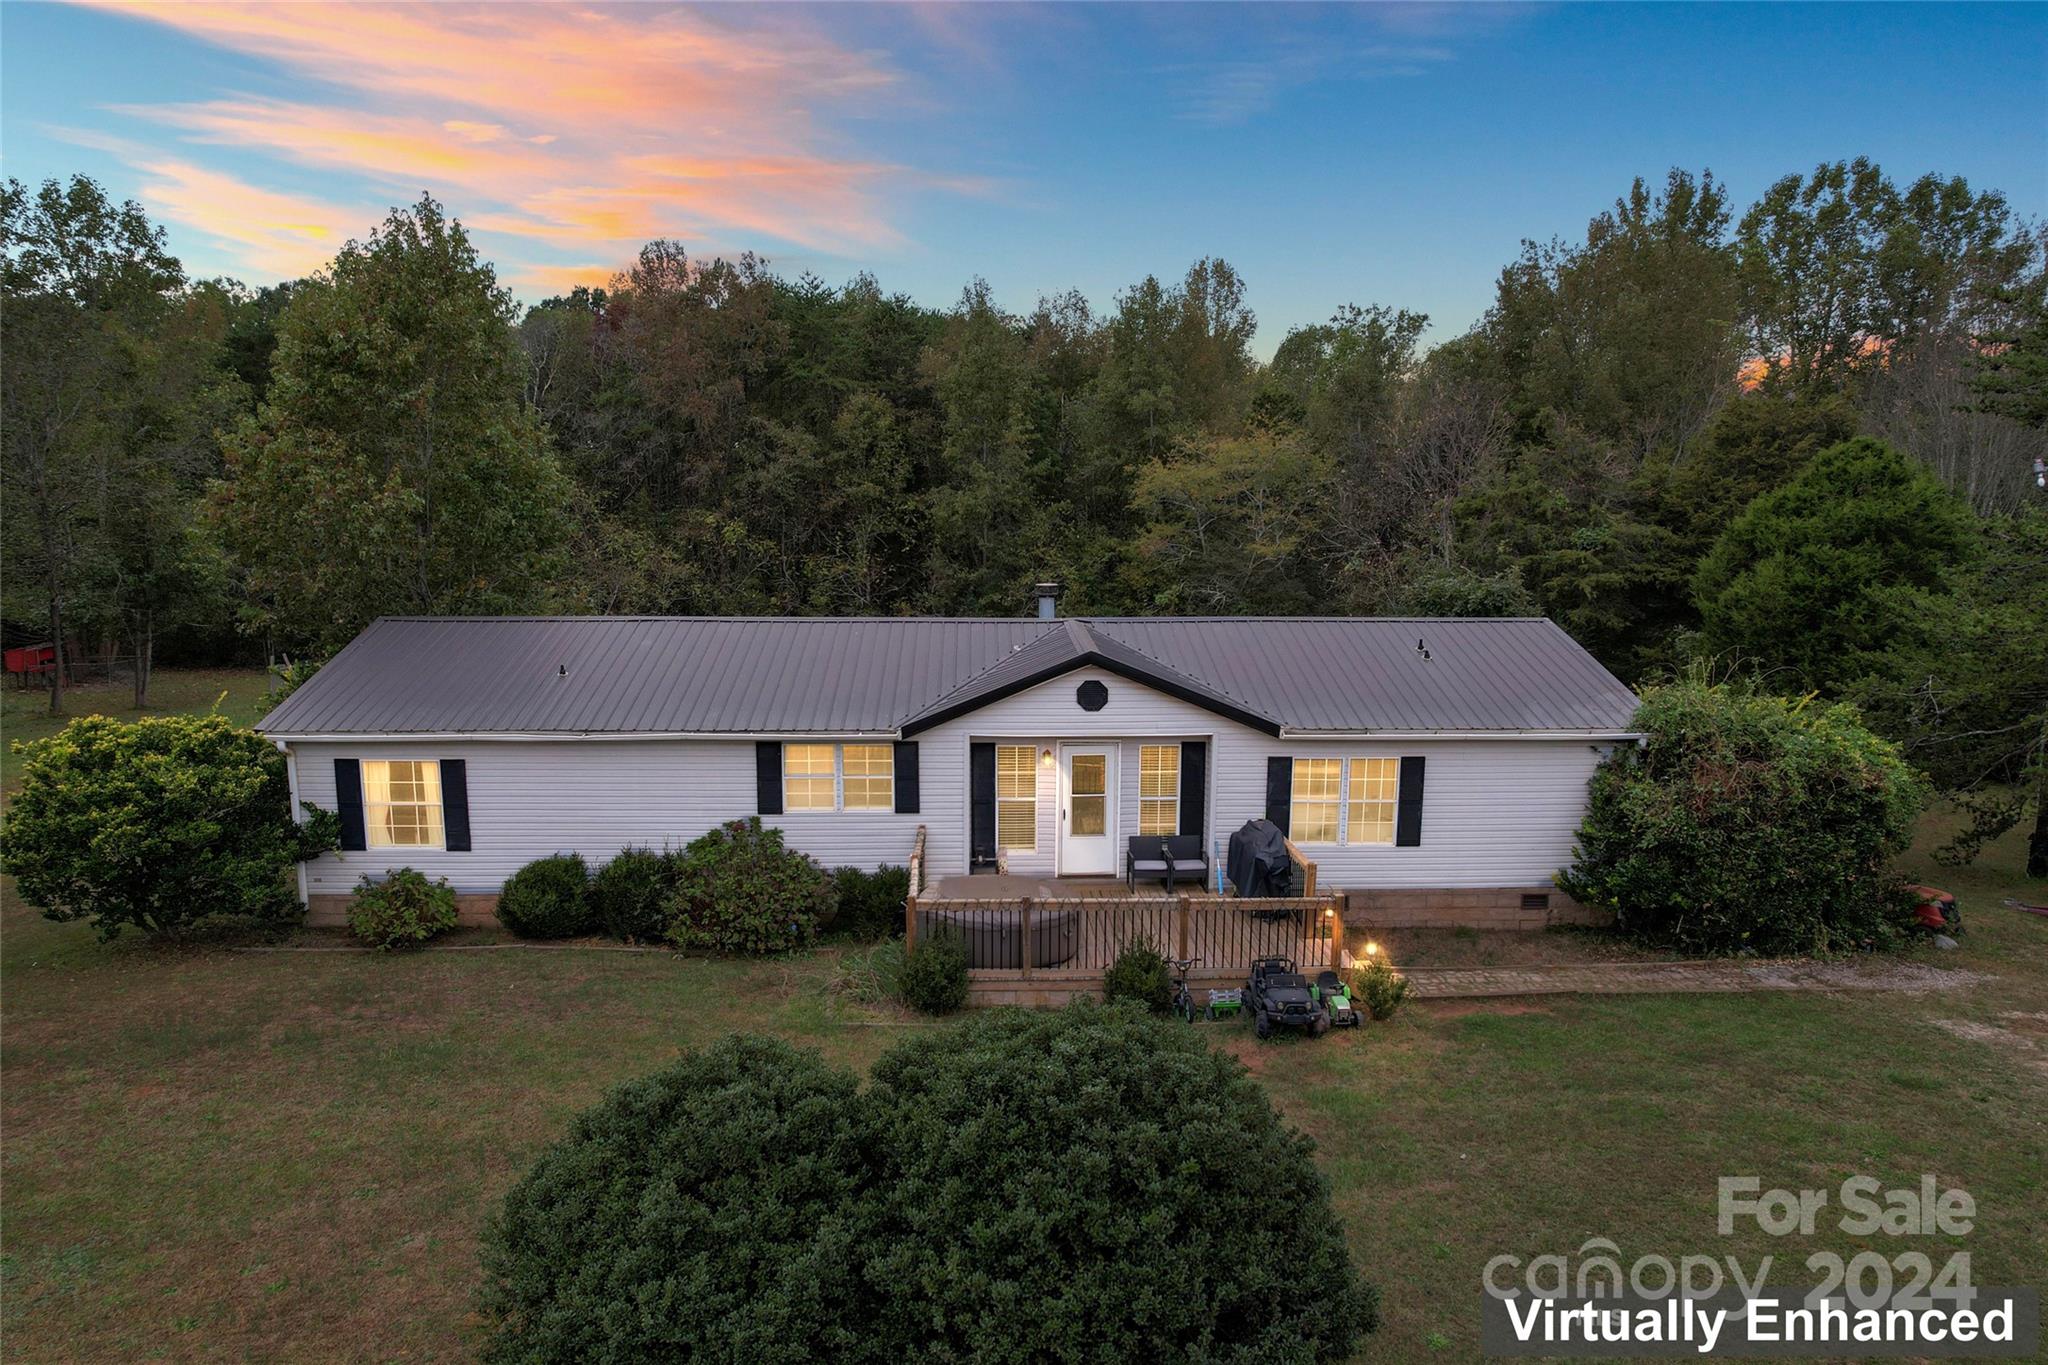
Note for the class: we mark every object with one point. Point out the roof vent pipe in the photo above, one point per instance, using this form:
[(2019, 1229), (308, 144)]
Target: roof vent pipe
[(1048, 595)]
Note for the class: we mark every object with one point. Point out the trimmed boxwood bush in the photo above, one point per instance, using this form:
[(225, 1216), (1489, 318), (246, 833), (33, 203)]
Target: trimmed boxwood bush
[(934, 976), (739, 890), (548, 898), (1140, 975), (1089, 1183), (1748, 823), (160, 823), (711, 1211), (629, 895), (870, 903), (402, 911)]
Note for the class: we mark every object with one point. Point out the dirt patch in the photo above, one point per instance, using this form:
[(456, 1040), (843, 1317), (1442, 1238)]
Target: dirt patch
[(1453, 1009), (2026, 1051)]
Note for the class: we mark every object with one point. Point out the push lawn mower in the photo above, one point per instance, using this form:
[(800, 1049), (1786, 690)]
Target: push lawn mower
[(1279, 997), (1934, 910)]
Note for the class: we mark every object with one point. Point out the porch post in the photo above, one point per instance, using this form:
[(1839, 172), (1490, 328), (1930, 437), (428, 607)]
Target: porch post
[(1026, 949), (1180, 927), (1336, 931), (910, 921)]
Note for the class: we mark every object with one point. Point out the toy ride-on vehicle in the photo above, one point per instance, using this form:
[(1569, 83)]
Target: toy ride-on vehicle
[(1279, 997), (1335, 998)]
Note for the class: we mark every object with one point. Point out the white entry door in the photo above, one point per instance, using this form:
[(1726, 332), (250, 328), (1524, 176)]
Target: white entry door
[(1087, 810)]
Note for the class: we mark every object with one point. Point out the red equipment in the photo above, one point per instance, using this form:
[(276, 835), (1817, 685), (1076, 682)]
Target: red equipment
[(1935, 910)]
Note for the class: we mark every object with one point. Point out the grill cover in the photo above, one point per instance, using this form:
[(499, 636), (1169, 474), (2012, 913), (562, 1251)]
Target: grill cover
[(1258, 864)]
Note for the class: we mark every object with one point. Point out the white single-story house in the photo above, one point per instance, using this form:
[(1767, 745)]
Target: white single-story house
[(1435, 769)]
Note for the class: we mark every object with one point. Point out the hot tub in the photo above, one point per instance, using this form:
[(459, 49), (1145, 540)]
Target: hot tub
[(994, 937)]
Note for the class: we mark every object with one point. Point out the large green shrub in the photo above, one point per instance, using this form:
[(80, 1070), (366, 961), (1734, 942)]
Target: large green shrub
[(1140, 974), (1378, 988), (870, 903), (159, 823), (934, 976), (629, 895), (1748, 822), (1091, 1182), (739, 890), (402, 911), (548, 898), (715, 1210), (1087, 1184)]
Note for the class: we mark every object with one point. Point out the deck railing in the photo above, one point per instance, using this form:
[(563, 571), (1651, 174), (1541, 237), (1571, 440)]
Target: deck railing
[(1074, 939)]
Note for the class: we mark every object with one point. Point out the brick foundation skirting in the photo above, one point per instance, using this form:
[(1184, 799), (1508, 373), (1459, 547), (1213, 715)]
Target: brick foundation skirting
[(1493, 907), (470, 908)]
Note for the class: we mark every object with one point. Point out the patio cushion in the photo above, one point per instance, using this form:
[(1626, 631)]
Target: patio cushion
[(1148, 865), (1190, 864)]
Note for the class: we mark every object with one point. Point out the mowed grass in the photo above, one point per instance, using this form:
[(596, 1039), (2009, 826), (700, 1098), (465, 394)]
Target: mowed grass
[(213, 1155)]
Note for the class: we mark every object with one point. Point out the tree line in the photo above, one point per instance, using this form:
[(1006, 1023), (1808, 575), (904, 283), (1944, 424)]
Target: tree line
[(1629, 441)]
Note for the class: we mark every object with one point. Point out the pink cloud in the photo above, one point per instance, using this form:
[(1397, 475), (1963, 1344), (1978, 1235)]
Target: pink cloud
[(581, 131)]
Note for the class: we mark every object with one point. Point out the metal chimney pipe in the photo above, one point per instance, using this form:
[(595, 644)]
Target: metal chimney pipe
[(1048, 595)]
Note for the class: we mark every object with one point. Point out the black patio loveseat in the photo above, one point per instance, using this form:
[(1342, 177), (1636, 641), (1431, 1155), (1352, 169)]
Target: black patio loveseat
[(1166, 858)]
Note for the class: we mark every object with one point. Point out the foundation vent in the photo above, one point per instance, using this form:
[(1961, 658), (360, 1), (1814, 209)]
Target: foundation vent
[(1535, 900)]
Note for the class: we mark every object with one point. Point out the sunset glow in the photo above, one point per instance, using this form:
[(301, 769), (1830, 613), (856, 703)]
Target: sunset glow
[(560, 128)]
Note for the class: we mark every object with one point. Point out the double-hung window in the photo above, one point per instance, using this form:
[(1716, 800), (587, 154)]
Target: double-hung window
[(1317, 800), (1375, 789), (1016, 797), (838, 777), (1159, 789), (402, 803), (868, 780)]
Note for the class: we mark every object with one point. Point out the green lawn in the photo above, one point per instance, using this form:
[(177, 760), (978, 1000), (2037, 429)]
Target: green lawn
[(221, 1155)]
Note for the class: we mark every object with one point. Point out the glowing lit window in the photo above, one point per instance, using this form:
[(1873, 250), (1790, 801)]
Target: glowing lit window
[(1159, 789), (1017, 797), (402, 803), (1318, 796), (808, 779), (1375, 788), (869, 777)]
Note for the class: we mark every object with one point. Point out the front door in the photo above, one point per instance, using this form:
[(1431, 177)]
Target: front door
[(1087, 810)]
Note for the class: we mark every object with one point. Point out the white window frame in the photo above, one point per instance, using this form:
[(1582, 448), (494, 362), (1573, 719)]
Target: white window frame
[(1030, 772), (1343, 837), (1392, 804), (838, 778), (376, 812), (1170, 801), (1295, 802)]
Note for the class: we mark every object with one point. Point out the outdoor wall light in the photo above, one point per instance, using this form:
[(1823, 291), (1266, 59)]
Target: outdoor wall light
[(1045, 757), (1372, 950)]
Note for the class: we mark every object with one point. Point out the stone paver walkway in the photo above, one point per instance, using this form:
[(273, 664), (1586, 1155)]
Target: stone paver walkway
[(1652, 978)]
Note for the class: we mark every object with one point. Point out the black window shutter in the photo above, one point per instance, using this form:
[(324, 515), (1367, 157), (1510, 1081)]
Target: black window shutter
[(981, 804), (455, 803), (348, 802), (1408, 810), (1280, 792), (906, 777), (768, 777), (1194, 787)]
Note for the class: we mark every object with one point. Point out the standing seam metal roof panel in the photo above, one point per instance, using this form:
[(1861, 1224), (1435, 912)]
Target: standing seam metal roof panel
[(836, 675)]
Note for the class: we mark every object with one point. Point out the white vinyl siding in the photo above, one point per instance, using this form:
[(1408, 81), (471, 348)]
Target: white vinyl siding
[(1159, 789), (1495, 812), (402, 804), (1017, 797)]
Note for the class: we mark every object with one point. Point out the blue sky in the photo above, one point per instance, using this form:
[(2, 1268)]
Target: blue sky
[(1391, 154)]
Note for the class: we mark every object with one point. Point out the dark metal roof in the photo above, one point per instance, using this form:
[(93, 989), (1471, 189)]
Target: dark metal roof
[(816, 675)]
